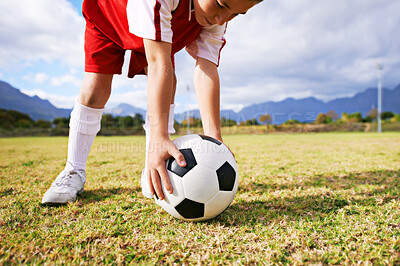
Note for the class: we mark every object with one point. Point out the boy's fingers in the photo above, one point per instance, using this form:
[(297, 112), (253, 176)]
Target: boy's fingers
[(165, 179), (150, 182), (174, 152), (157, 184), (155, 179)]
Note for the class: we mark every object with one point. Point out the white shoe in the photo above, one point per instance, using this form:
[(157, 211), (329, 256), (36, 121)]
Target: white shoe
[(145, 185), (66, 187)]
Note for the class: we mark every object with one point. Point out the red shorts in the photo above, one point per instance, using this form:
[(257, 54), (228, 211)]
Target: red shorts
[(102, 55), (107, 37)]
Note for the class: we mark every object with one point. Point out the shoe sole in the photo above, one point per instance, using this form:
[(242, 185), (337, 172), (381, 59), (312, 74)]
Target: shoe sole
[(62, 203)]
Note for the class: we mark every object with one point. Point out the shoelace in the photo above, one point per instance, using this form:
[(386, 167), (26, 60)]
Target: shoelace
[(66, 179)]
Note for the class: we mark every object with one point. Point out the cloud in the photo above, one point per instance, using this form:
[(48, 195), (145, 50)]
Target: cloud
[(279, 49), (306, 48), (40, 30), (136, 98), (55, 99), (39, 77), (67, 78)]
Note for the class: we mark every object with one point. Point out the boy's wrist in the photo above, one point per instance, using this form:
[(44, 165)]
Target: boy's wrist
[(216, 135), (159, 134)]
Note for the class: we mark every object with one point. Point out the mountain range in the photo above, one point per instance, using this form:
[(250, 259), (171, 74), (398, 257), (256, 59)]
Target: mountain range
[(37, 108), (304, 110)]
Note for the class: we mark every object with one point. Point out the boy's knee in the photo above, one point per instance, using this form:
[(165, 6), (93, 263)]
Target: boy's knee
[(92, 100), (95, 91)]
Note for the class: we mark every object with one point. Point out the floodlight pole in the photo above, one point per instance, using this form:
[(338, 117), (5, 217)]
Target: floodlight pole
[(379, 67)]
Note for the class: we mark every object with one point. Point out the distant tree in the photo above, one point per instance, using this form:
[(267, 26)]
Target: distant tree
[(6, 121), (129, 122), (13, 119), (395, 118), (18, 115), (322, 119), (251, 122), (61, 122), (387, 115), (23, 123), (124, 121), (108, 121), (367, 119), (292, 122), (371, 115), (193, 122), (138, 119), (177, 124), (333, 115), (198, 122), (355, 117), (225, 122), (42, 124), (265, 119)]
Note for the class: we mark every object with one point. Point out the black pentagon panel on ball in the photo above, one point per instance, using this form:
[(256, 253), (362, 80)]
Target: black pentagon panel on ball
[(226, 177), (174, 167), (210, 139), (190, 209)]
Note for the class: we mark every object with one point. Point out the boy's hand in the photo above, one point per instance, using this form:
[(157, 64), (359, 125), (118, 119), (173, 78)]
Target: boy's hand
[(160, 150)]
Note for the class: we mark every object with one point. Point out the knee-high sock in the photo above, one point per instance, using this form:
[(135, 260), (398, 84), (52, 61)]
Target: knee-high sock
[(84, 124), (146, 127)]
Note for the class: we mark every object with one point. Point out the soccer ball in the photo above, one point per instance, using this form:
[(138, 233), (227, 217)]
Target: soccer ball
[(206, 186)]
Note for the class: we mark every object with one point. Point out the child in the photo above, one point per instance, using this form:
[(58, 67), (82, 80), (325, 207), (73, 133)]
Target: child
[(154, 30)]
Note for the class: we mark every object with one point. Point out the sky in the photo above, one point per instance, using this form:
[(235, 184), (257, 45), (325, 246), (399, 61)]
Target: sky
[(279, 49)]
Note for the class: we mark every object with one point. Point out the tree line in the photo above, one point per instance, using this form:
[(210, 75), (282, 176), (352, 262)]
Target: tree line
[(12, 120)]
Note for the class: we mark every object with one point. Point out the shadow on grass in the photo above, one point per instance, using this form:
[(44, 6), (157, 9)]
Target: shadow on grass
[(98, 195), (343, 193)]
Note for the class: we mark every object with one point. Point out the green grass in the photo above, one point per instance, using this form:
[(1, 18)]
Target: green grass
[(303, 199)]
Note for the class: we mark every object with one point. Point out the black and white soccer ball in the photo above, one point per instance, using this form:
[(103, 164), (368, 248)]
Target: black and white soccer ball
[(207, 185)]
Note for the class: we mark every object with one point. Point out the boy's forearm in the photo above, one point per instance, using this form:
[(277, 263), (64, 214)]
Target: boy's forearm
[(206, 81), (159, 87)]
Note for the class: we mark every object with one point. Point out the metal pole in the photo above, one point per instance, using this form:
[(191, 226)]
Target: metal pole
[(379, 67)]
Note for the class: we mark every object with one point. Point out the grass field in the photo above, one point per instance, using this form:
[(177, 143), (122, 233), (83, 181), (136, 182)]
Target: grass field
[(303, 199)]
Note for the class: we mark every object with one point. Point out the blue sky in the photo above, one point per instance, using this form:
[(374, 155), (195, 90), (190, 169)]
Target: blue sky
[(281, 48)]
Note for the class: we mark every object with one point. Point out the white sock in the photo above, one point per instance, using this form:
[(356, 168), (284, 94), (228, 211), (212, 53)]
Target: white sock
[(171, 120), (84, 125)]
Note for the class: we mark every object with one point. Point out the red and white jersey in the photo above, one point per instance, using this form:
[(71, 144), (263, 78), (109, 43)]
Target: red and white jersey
[(127, 22), (152, 19)]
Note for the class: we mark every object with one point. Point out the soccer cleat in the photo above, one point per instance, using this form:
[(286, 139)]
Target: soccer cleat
[(145, 185), (66, 187)]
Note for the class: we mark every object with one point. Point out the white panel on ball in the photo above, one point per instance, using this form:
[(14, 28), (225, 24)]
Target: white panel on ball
[(200, 184), (208, 153), (168, 208), (187, 141), (219, 203)]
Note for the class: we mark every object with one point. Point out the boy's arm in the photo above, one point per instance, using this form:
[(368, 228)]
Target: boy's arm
[(159, 92), (206, 83)]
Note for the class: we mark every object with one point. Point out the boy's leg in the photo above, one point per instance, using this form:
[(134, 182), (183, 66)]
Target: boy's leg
[(84, 125), (86, 117), (146, 126)]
